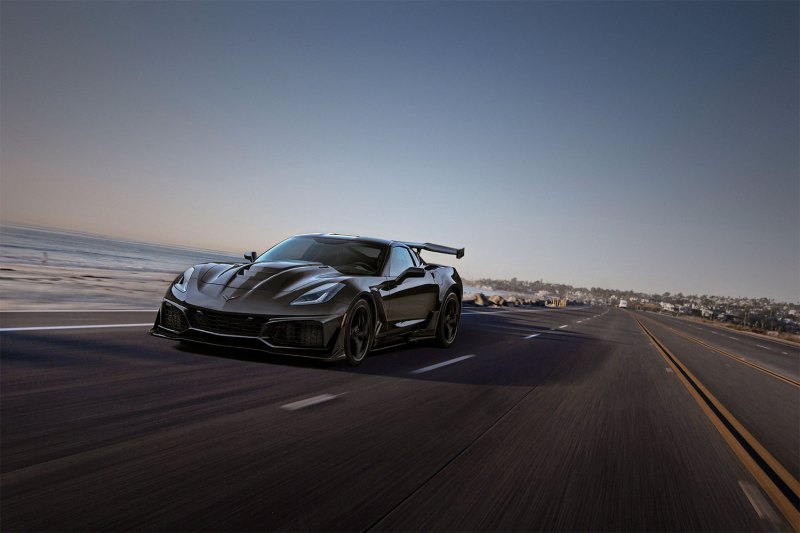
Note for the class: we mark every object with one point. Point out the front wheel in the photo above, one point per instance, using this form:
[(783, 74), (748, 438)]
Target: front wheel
[(450, 316), (358, 333)]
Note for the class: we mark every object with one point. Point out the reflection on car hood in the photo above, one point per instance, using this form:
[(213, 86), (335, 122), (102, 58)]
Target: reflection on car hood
[(268, 276)]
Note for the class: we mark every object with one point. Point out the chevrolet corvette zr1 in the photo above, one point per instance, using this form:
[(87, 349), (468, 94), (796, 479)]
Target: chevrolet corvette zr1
[(325, 296)]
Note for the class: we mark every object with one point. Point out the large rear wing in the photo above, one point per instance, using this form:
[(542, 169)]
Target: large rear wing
[(438, 248)]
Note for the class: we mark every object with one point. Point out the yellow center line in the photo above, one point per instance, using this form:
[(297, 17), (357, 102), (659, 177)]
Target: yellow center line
[(719, 420), (737, 358)]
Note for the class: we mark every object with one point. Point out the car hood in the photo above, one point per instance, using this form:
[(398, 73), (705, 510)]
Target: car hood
[(263, 288), (274, 277)]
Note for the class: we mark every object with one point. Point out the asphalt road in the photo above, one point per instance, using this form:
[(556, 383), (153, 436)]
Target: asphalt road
[(777, 355), (542, 419)]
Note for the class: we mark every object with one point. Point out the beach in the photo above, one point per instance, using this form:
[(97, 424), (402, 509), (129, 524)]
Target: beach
[(44, 269)]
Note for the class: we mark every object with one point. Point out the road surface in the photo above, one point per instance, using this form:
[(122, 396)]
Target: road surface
[(536, 419)]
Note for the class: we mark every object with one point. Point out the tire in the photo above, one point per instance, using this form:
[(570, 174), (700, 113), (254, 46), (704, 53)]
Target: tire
[(449, 318), (359, 331)]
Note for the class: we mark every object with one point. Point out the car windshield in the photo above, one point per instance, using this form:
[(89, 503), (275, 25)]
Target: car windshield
[(346, 256)]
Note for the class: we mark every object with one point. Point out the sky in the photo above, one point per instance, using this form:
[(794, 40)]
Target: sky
[(650, 146)]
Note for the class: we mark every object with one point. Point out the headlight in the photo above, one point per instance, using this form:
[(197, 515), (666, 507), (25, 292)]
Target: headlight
[(183, 282), (319, 295)]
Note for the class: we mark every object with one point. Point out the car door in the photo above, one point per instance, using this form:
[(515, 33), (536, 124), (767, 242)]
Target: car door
[(409, 302)]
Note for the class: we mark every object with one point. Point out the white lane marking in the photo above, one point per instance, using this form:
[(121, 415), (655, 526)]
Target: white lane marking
[(562, 327), (762, 346), (784, 353), (440, 365), (512, 310), (484, 312), (762, 508), (308, 402), (734, 338), (49, 328), (715, 333), (750, 493), (579, 321), (669, 370), (79, 311), (532, 336)]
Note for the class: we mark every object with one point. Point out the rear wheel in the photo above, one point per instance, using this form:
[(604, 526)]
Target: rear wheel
[(358, 333), (449, 318)]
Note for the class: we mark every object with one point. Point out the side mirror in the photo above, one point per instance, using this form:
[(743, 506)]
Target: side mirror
[(410, 272), (251, 256)]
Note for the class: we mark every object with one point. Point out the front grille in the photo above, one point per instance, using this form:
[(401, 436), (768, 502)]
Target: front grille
[(248, 326), (298, 333), (173, 318)]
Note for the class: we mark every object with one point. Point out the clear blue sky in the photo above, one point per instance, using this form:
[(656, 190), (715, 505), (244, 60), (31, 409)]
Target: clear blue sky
[(642, 145)]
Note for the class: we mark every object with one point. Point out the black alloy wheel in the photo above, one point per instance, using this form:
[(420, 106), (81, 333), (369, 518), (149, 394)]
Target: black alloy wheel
[(358, 333), (448, 320)]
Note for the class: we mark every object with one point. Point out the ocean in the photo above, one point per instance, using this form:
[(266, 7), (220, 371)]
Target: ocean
[(24, 245), (43, 268)]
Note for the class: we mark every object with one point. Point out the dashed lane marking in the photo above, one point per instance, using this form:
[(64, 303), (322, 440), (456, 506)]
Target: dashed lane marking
[(440, 365), (93, 326), (308, 402), (485, 312), (760, 504), (781, 486), (532, 336), (735, 357), (762, 346), (562, 327)]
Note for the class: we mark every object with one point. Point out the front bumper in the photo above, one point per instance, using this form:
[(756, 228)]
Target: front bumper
[(317, 337)]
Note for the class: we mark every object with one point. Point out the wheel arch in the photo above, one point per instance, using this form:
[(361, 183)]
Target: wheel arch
[(373, 306), (452, 282)]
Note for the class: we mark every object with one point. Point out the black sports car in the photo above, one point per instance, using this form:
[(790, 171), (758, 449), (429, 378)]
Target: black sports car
[(325, 296)]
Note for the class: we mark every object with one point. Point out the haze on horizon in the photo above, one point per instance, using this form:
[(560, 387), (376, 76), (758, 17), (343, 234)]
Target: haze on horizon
[(650, 146)]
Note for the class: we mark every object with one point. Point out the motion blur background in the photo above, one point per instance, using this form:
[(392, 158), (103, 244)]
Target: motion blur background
[(642, 145)]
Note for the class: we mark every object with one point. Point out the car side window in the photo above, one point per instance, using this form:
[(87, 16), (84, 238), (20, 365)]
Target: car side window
[(400, 260)]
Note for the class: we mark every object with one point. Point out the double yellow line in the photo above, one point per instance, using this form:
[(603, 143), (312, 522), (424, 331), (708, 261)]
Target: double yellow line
[(735, 357), (782, 488)]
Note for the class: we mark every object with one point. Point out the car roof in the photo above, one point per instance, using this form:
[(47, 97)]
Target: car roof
[(359, 238)]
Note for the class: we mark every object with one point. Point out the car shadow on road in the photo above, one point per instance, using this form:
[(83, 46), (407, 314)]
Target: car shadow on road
[(507, 360), (561, 358), (249, 356)]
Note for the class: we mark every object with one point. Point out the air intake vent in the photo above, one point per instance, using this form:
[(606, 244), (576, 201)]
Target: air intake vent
[(173, 319), (295, 333), (226, 323)]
